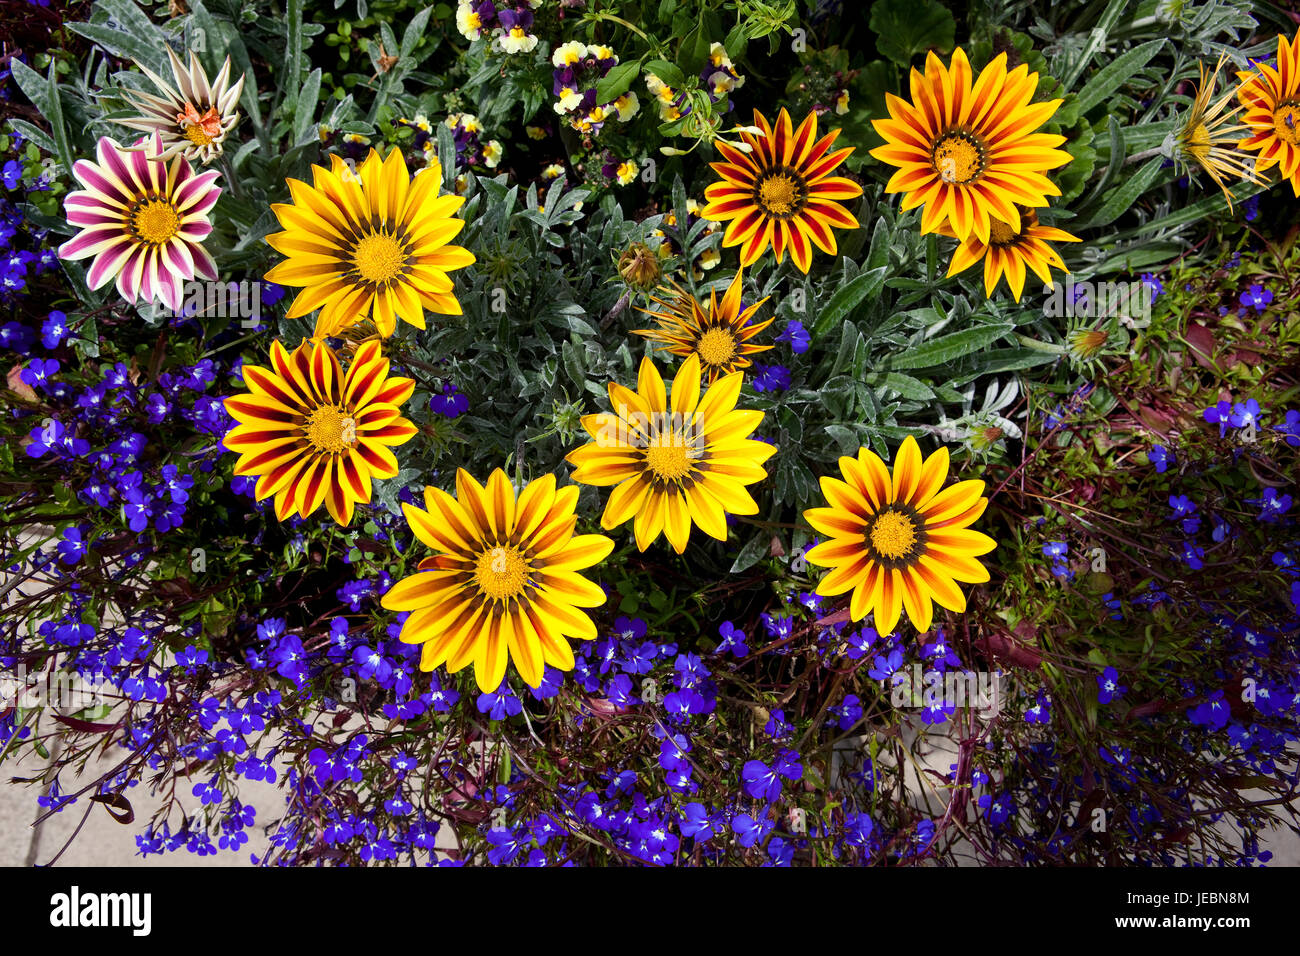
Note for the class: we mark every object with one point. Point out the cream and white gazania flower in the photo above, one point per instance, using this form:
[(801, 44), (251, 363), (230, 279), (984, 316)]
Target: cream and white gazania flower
[(142, 220), (194, 116)]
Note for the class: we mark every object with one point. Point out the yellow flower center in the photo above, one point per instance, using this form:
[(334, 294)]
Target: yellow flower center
[(155, 221), (958, 158), (781, 194), (893, 534), (668, 456), (330, 429), (379, 258), (716, 347), (1286, 122), (1001, 234), (502, 573), (195, 134)]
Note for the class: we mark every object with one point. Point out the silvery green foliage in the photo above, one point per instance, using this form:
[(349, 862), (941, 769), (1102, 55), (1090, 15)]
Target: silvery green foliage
[(976, 427)]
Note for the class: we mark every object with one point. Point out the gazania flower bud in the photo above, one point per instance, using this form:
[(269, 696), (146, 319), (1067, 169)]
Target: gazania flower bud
[(640, 266), (1086, 343)]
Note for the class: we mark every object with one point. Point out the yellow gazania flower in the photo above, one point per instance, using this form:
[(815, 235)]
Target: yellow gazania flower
[(718, 333), (1271, 98), (781, 193), (1008, 252), (373, 243), (504, 581), (899, 542), (969, 153), (675, 462), (1208, 135), (313, 434)]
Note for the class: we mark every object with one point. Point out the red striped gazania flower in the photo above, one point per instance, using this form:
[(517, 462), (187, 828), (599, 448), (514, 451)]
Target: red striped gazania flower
[(315, 435)]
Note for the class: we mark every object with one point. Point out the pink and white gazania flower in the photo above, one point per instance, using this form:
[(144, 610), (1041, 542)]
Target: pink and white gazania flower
[(141, 220)]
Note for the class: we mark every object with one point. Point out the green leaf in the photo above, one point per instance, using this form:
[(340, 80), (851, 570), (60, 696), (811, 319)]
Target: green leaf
[(1097, 38), (617, 81), (878, 255), (1122, 197), (304, 110), (34, 86), (668, 72), (752, 552), (447, 156), (1148, 135), (694, 51), (1115, 74), (1215, 204), (1117, 157), (865, 287), (44, 94), (414, 32), (132, 22), (34, 134), (87, 341), (845, 437), (736, 42), (123, 45), (904, 385), (294, 47), (905, 28), (1007, 360), (573, 364), (948, 348)]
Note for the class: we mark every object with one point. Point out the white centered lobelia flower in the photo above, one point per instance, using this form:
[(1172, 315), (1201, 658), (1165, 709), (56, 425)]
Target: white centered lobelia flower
[(194, 116), (142, 220)]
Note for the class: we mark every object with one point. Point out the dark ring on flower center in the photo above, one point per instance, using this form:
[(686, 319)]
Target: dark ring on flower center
[(915, 548), (780, 192), (959, 157)]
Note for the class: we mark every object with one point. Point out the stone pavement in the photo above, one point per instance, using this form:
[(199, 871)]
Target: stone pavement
[(102, 840), (105, 842)]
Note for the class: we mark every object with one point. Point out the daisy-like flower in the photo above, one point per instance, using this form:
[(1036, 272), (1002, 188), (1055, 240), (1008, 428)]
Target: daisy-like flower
[(369, 244), (1271, 98), (1208, 136), (673, 462), (504, 583), (194, 116), (902, 541), (142, 220), (719, 332), (1008, 252), (969, 152), (313, 434), (781, 192)]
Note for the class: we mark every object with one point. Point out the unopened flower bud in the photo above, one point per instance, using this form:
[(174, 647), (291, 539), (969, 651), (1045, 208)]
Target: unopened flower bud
[(640, 266)]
